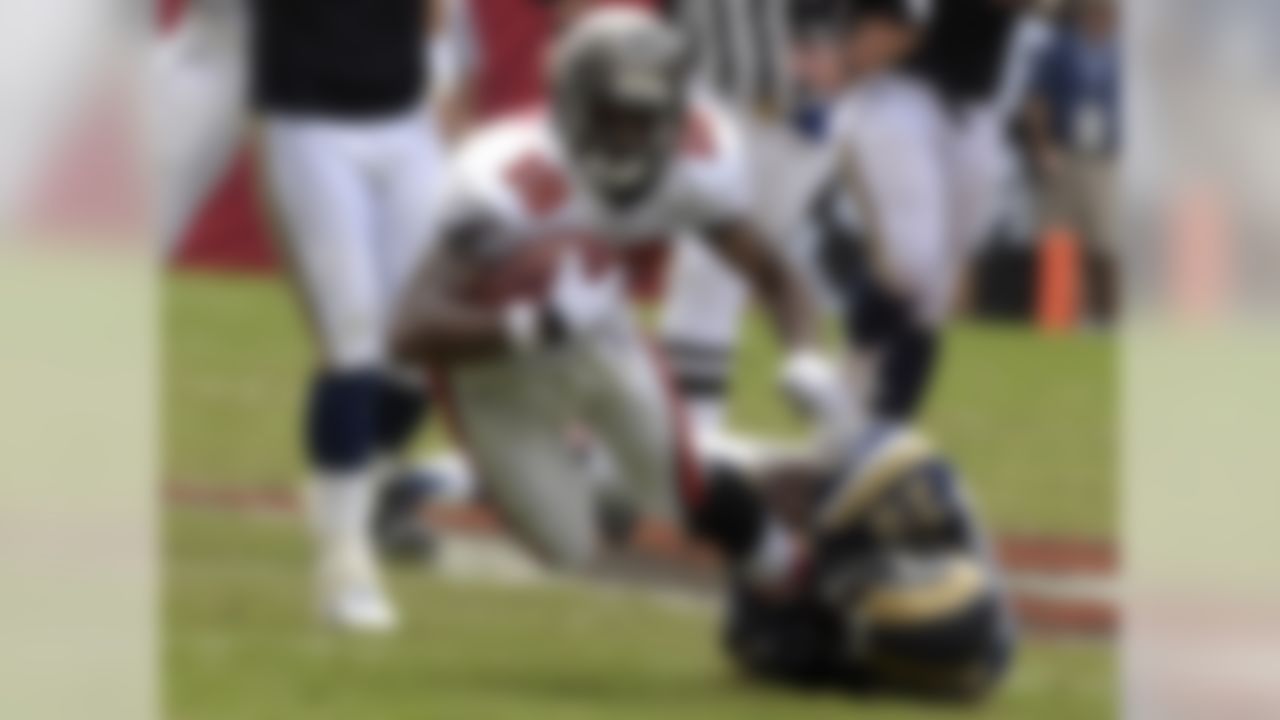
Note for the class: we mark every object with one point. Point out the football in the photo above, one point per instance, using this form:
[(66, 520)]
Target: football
[(525, 273)]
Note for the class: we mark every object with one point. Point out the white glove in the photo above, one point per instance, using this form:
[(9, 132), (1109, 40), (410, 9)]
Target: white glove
[(815, 385), (576, 304)]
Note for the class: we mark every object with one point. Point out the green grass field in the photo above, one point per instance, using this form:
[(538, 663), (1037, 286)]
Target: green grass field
[(1028, 419), (242, 647)]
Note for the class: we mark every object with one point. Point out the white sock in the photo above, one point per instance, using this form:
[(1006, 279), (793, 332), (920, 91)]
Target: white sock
[(341, 514)]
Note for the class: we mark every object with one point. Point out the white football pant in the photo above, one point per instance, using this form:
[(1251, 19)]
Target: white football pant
[(516, 415), (925, 178), (355, 201)]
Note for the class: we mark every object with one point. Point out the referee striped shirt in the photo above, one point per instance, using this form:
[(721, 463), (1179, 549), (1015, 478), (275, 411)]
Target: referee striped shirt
[(742, 47)]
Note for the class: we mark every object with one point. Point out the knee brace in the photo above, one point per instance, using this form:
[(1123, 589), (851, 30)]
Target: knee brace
[(881, 321), (876, 316), (905, 373), (341, 424)]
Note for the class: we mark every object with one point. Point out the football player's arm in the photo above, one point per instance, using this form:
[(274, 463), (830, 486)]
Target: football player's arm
[(810, 379), (434, 323), (774, 283)]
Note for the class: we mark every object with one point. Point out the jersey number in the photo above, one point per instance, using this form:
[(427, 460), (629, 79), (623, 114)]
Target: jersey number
[(542, 187)]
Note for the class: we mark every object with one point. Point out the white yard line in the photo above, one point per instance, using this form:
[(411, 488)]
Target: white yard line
[(501, 562), (495, 561), (1066, 587)]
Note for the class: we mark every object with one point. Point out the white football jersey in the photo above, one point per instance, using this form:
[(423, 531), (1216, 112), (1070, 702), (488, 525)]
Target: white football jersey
[(516, 176)]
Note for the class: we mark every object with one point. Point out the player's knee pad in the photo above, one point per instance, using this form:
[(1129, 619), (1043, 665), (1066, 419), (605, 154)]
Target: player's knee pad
[(888, 323), (341, 424), (906, 369), (402, 406), (876, 315), (730, 514)]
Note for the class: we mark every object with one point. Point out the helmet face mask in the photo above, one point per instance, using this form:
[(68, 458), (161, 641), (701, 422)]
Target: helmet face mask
[(622, 146), (619, 83)]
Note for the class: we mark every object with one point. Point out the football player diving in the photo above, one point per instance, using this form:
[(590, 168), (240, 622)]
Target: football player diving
[(625, 156)]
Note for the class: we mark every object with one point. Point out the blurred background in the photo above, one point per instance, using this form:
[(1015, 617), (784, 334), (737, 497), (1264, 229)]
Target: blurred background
[(152, 536), (1025, 402), (1048, 233)]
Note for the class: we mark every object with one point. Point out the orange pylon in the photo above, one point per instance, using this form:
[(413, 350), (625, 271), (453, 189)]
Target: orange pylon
[(1059, 279)]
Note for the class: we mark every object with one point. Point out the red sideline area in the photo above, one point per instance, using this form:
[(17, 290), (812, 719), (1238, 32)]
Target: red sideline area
[(1020, 555), (231, 232)]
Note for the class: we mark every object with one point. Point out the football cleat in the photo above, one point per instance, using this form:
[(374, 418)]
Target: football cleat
[(351, 594), (400, 529)]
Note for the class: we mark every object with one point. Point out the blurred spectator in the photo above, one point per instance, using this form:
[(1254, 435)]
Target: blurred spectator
[(1075, 127)]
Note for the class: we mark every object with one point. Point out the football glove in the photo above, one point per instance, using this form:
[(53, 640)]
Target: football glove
[(818, 390)]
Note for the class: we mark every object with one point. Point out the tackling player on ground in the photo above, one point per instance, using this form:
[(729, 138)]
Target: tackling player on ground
[(902, 596)]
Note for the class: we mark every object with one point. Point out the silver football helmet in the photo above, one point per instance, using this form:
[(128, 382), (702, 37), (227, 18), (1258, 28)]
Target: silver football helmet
[(619, 82)]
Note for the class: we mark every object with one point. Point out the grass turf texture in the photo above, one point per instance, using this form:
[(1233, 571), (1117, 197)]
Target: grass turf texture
[(240, 647), (1028, 418)]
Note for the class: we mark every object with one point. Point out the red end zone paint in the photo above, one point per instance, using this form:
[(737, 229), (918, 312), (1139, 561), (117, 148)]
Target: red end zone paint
[(1058, 555), (233, 230), (1070, 616)]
